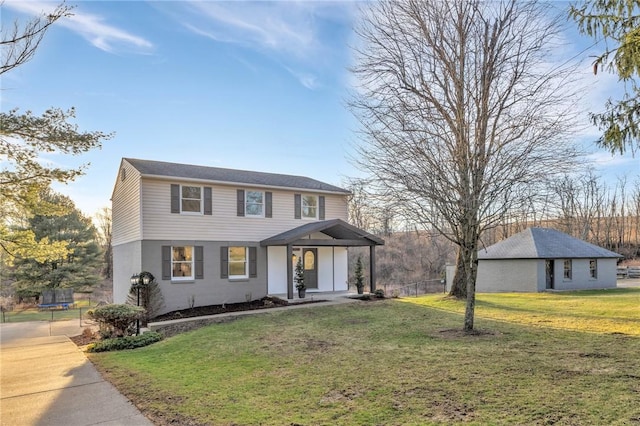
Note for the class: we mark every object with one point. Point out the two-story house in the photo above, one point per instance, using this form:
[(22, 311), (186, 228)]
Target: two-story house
[(212, 235)]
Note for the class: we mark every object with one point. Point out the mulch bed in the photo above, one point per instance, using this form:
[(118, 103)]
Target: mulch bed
[(199, 311)]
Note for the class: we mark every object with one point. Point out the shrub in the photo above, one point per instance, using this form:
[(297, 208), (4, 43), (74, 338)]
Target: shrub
[(116, 320), (127, 342), (359, 274), (379, 293)]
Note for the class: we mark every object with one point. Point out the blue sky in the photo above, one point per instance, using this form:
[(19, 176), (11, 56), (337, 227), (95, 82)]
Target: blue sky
[(257, 86)]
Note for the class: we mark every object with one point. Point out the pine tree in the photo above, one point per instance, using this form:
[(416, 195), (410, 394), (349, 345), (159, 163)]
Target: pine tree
[(78, 269)]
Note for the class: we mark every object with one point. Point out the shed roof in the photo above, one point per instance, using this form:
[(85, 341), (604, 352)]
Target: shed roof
[(230, 176), (544, 243)]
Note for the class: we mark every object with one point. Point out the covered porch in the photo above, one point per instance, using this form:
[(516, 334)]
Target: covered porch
[(323, 247)]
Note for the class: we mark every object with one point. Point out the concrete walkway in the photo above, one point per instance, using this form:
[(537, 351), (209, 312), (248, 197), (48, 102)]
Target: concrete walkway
[(46, 380)]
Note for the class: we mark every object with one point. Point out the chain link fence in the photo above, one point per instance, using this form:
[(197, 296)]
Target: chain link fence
[(414, 289)]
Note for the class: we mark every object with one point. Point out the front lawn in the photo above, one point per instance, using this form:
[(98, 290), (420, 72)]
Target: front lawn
[(383, 362), (601, 311)]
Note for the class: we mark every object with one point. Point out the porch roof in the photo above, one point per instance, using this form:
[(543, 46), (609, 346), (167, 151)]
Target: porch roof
[(341, 233)]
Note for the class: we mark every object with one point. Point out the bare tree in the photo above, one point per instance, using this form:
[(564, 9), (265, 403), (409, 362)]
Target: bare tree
[(460, 110), (20, 42)]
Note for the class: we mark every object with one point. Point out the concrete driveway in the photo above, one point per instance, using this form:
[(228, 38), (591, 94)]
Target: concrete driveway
[(46, 380)]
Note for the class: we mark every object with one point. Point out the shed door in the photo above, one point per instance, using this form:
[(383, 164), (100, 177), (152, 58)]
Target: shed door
[(549, 269), (310, 264)]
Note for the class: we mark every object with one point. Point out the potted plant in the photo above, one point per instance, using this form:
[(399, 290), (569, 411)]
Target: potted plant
[(299, 278), (359, 276)]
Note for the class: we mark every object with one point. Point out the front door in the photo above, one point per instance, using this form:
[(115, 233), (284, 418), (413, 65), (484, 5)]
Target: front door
[(549, 264), (310, 264)]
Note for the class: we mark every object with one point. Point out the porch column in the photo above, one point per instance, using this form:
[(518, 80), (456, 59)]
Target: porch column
[(289, 272), (372, 267)]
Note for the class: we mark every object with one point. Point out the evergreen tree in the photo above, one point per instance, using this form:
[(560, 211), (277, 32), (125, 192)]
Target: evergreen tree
[(617, 22), (78, 268)]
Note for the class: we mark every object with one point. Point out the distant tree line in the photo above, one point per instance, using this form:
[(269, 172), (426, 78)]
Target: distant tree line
[(583, 206)]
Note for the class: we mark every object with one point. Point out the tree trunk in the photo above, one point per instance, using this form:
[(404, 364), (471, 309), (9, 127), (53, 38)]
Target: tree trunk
[(459, 284), (471, 269)]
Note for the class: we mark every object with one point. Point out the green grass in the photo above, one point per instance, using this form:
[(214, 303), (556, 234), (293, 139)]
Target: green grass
[(33, 314), (384, 362), (599, 311)]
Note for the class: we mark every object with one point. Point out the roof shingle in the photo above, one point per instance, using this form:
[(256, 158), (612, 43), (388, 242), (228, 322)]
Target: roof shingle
[(216, 174), (544, 243)]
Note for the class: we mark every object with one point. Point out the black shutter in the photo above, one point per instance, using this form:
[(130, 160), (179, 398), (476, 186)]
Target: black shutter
[(175, 198), (199, 262), (166, 262), (297, 210), (253, 262), (268, 204), (224, 262), (321, 207), (240, 198), (208, 205)]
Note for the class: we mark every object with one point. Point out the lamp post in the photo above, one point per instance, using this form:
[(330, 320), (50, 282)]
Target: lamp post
[(137, 281)]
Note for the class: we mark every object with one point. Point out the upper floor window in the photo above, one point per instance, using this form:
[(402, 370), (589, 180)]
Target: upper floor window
[(308, 206), (568, 269), (182, 263), (254, 203), (593, 268), (191, 199)]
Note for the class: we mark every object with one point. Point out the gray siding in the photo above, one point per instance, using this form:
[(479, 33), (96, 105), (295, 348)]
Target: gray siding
[(580, 278), (211, 290), (126, 262), (513, 275), (529, 275)]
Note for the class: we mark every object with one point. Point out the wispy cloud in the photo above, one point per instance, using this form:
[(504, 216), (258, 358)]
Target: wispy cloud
[(91, 27), (606, 159), (293, 34)]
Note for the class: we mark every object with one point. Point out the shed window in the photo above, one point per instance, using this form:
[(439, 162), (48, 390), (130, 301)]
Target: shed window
[(593, 268), (568, 269)]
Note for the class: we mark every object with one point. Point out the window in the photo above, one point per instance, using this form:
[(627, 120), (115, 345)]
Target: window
[(593, 268), (182, 263), (567, 269), (309, 206), (254, 203), (238, 262), (191, 197)]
